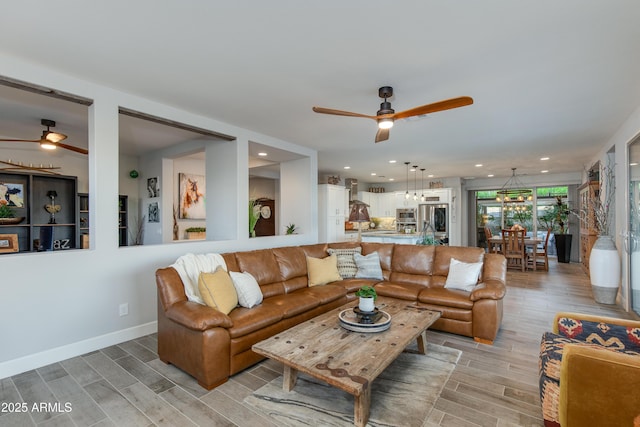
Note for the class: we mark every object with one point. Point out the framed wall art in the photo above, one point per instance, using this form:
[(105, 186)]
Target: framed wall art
[(192, 196), (9, 243), (12, 193)]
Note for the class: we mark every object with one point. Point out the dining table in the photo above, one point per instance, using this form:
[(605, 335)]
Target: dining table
[(495, 245)]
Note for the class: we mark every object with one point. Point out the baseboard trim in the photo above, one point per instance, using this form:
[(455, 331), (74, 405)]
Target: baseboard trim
[(47, 357)]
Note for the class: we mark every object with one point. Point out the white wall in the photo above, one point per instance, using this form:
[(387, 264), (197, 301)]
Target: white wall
[(626, 134), (58, 305)]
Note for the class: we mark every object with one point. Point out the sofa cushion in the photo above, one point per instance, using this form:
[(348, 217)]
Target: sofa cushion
[(405, 291), (443, 255), (368, 266), (325, 294), (261, 264), (292, 262), (247, 288), (322, 271), (463, 275), (248, 320), (217, 290), (347, 267), (446, 297), (352, 285), (384, 250), (412, 259), (293, 303)]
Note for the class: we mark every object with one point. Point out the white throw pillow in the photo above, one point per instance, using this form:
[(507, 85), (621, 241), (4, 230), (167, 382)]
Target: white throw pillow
[(249, 293), (463, 275)]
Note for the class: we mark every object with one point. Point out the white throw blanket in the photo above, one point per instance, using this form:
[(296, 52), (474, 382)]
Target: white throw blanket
[(190, 266)]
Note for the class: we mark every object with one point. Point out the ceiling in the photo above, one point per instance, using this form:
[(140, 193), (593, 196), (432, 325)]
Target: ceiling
[(549, 79)]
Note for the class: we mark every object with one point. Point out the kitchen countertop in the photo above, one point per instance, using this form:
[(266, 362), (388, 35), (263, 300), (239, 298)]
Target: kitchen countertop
[(386, 233)]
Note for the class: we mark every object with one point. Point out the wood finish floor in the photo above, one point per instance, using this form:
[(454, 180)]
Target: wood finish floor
[(127, 385)]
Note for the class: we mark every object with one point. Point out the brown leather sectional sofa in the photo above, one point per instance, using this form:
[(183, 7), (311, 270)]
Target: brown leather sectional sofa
[(211, 346)]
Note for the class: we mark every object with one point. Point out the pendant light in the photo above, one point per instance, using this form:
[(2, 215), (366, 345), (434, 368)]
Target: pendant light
[(415, 182), (513, 190), (422, 198), (406, 195)]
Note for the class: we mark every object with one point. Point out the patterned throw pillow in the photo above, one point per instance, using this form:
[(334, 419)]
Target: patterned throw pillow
[(368, 266), (346, 264)]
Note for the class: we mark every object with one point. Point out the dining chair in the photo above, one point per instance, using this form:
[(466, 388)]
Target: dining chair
[(513, 248), (542, 253), (492, 247)]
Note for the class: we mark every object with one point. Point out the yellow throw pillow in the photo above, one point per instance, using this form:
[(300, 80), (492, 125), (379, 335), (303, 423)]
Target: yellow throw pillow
[(322, 270), (217, 290)]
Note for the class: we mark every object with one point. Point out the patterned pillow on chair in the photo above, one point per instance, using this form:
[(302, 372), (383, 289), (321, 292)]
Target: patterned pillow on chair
[(604, 334)]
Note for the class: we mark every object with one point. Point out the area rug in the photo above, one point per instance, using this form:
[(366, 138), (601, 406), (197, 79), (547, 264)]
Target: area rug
[(403, 395)]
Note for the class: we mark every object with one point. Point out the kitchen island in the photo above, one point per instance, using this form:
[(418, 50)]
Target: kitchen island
[(385, 236)]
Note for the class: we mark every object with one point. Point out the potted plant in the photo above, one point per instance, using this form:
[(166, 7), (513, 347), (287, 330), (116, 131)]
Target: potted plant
[(196, 233), (7, 215), (254, 216), (368, 296), (291, 228)]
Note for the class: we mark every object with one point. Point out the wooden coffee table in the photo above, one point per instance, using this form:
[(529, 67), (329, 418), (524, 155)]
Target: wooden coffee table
[(348, 360)]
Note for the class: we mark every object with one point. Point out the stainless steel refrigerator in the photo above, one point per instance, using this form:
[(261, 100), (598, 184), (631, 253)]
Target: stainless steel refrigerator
[(435, 217)]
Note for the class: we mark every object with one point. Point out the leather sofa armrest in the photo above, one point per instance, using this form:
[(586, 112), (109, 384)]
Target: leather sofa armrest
[(489, 289), (197, 316), (598, 387)]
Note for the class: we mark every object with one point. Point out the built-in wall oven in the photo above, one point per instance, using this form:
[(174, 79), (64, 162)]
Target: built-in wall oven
[(406, 220), (434, 217)]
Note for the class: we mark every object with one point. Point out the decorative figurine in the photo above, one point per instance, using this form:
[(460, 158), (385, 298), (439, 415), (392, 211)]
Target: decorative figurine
[(52, 208)]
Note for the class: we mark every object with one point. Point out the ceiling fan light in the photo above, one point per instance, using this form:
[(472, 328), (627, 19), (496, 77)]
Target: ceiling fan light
[(53, 136), (385, 123), (48, 145)]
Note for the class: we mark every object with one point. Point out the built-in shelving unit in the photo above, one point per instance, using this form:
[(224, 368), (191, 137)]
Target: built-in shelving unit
[(37, 231), (123, 220)]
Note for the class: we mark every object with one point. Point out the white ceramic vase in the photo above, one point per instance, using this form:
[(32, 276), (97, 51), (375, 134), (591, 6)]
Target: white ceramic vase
[(366, 304), (604, 268)]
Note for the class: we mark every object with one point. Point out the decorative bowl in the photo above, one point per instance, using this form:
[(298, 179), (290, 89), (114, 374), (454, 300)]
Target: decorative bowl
[(11, 221)]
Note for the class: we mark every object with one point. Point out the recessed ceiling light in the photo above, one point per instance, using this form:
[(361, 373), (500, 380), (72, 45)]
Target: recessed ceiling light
[(392, 179), (262, 154), (373, 174), (544, 171), (412, 169), (490, 175), (392, 161), (544, 158), (633, 164), (430, 176), (479, 165), (347, 167)]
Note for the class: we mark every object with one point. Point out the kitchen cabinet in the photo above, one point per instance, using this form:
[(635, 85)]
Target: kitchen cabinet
[(332, 211), (380, 204)]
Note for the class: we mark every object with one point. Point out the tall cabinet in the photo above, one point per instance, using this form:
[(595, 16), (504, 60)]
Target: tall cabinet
[(35, 228), (332, 206), (588, 234)]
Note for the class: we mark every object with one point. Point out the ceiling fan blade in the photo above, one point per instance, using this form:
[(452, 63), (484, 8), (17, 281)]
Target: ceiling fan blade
[(71, 148), (447, 104), (19, 140), (342, 113), (382, 135)]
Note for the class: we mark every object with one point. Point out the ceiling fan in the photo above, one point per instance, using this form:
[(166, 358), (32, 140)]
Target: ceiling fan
[(386, 115), (50, 140)]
